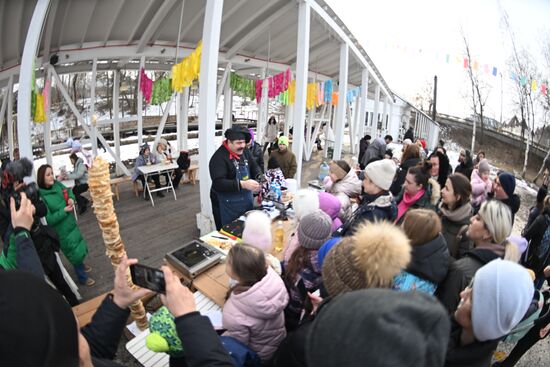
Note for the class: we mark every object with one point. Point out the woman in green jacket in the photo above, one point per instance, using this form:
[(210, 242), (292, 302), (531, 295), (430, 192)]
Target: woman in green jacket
[(60, 203)]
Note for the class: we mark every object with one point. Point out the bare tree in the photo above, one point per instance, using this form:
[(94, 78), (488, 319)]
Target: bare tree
[(479, 94), (425, 97), (544, 100), (525, 71)]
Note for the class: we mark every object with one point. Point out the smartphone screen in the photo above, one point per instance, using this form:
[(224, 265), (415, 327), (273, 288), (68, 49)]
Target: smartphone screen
[(147, 277)]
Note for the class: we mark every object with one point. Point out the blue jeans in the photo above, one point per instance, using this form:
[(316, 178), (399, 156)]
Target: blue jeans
[(80, 273)]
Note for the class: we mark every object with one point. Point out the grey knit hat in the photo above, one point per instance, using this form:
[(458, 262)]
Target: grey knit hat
[(314, 230), (484, 166)]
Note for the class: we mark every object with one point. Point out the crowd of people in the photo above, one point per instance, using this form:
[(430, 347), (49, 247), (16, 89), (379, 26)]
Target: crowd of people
[(395, 263)]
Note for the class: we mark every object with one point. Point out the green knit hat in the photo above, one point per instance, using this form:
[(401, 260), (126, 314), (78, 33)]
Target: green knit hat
[(164, 337), (283, 140)]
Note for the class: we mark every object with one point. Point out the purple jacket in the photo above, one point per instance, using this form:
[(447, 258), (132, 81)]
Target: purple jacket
[(330, 205), (256, 317)]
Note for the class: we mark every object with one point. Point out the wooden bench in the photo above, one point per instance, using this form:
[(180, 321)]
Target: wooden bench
[(117, 181), (191, 174), (86, 310), (137, 346)]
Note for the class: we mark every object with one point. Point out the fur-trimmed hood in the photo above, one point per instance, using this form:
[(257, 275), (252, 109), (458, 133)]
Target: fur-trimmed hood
[(350, 185), (434, 190), (371, 258)]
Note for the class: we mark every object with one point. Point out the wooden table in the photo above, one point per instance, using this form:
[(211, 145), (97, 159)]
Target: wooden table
[(214, 282), (158, 169)]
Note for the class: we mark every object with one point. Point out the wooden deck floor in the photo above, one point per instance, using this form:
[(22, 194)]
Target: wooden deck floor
[(148, 232)]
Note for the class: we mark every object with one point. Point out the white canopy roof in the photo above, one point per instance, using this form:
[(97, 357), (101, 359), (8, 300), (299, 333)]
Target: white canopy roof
[(118, 32)]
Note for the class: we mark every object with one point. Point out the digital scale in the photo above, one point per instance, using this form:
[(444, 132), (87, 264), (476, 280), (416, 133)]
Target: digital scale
[(194, 258)]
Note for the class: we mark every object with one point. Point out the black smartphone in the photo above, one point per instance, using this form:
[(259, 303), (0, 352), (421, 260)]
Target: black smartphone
[(147, 277)]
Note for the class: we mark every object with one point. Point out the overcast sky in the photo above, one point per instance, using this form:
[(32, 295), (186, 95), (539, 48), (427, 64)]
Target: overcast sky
[(409, 42)]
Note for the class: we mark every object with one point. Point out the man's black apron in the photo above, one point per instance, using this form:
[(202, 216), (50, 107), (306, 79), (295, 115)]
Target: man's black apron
[(234, 204)]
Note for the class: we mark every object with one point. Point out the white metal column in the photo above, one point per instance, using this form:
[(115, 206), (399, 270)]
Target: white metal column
[(227, 104), (342, 101), (116, 126), (93, 128), (356, 123), (178, 120), (363, 105), (416, 131), (47, 127), (385, 116), (11, 139), (302, 62), (26, 72), (394, 123), (184, 133), (374, 127), (264, 110), (140, 104), (221, 85), (207, 107), (289, 111)]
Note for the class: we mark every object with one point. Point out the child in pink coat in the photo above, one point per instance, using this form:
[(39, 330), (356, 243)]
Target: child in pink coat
[(254, 310), (481, 183)]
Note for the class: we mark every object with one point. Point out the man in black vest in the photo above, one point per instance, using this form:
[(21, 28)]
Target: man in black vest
[(232, 170)]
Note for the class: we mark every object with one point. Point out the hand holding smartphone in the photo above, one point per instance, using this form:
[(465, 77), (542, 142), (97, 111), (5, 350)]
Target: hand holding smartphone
[(147, 277)]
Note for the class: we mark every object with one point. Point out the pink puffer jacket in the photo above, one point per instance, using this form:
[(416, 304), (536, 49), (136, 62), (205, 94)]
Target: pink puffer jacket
[(256, 317), (480, 188)]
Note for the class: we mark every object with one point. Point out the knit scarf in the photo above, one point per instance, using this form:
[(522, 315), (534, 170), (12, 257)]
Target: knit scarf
[(232, 154), (407, 202), (497, 248), (458, 214)]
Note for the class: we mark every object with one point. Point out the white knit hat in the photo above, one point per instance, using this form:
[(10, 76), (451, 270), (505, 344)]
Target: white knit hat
[(501, 294), (257, 230), (381, 173), (305, 201)]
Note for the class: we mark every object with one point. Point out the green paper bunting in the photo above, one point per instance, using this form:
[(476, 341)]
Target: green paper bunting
[(242, 86), (162, 91)]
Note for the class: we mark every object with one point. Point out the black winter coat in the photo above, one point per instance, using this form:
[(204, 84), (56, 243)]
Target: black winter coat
[(465, 168), (477, 354), (409, 134), (258, 155), (373, 208), (363, 145), (534, 235), (460, 275), (399, 179), (103, 333), (454, 226), (292, 351), (430, 261), (26, 256), (223, 172), (203, 346)]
